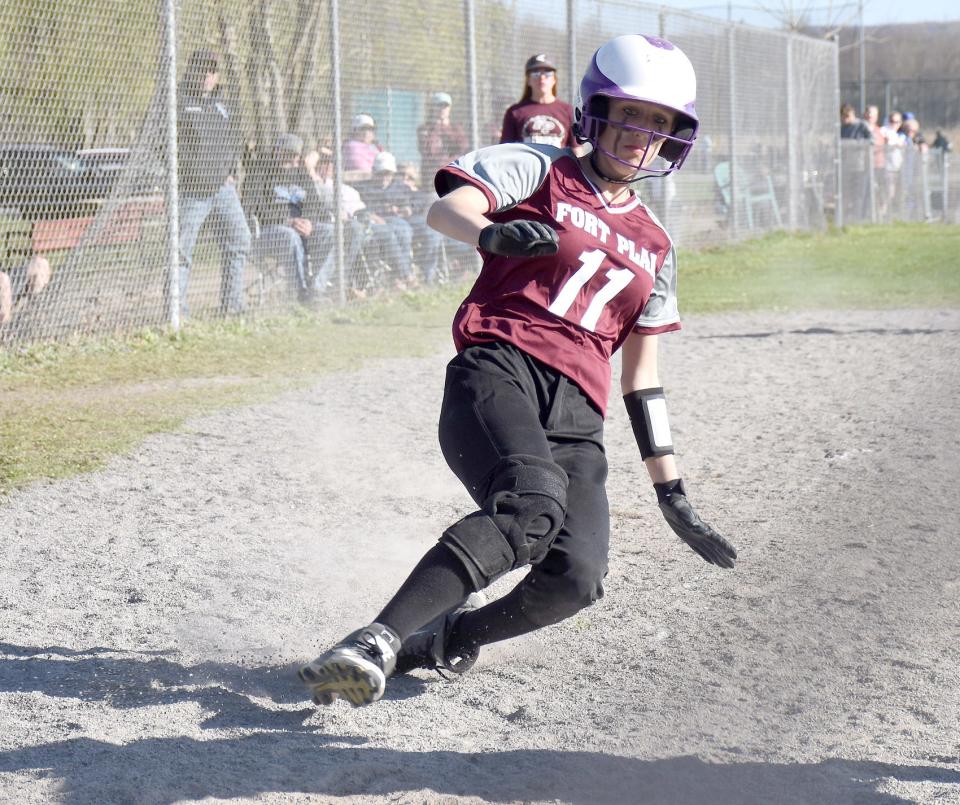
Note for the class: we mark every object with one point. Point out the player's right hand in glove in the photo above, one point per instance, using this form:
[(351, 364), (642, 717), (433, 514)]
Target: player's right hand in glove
[(519, 239), (687, 525)]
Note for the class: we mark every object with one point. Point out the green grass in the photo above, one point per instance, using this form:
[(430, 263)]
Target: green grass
[(68, 408), (903, 265)]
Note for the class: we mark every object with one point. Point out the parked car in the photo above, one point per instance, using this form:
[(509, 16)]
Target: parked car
[(105, 166), (43, 181)]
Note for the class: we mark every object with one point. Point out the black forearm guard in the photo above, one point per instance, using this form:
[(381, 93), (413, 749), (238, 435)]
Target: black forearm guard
[(648, 416)]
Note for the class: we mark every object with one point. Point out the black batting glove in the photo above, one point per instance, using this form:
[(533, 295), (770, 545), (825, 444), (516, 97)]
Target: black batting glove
[(686, 523), (519, 239)]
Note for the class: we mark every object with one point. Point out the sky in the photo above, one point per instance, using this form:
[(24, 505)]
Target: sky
[(875, 12)]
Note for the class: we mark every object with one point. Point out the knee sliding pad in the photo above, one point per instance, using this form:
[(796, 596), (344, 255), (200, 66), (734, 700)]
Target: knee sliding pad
[(522, 512)]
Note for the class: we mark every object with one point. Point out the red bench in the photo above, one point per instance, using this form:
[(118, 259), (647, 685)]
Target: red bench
[(125, 225)]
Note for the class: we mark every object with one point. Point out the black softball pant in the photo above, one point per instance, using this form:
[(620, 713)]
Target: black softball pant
[(499, 401)]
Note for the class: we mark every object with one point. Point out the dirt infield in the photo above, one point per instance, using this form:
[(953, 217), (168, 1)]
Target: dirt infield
[(152, 613)]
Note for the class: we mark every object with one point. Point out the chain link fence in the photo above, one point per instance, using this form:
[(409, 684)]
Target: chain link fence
[(901, 181), (141, 145)]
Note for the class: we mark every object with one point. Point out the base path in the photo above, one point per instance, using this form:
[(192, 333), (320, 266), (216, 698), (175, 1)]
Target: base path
[(152, 614)]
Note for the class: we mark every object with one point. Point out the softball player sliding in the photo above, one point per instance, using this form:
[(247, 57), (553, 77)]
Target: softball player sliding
[(574, 268)]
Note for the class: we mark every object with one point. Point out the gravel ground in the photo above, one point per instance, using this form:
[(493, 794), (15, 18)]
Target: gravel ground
[(153, 613)]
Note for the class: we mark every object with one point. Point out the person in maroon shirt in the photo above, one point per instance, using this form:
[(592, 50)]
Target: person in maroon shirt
[(440, 140), (539, 117), (575, 267)]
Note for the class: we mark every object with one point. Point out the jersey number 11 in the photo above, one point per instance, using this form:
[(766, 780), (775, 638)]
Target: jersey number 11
[(590, 262)]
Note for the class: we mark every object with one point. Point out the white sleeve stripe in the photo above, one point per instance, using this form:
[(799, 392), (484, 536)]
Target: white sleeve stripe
[(511, 171), (661, 308)]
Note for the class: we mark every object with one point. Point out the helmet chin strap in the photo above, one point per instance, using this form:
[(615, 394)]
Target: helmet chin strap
[(596, 167)]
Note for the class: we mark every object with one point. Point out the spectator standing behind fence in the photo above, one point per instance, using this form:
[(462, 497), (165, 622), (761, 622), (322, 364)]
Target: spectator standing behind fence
[(440, 140), (361, 148), (287, 206), (894, 147), (22, 283), (539, 117), (871, 116), (852, 127), (209, 144), (910, 129)]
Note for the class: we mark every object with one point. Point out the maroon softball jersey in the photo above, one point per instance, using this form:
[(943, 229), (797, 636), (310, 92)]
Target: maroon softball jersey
[(615, 271), (543, 123)]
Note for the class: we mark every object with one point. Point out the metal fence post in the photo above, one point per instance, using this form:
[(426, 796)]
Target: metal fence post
[(471, 31), (945, 172), (173, 188), (792, 191), (838, 160), (337, 150), (572, 50), (732, 84)]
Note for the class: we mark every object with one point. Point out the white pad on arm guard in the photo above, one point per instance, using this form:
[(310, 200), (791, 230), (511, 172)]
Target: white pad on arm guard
[(651, 425)]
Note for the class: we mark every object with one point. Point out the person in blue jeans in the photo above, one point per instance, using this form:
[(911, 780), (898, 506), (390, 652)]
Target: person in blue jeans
[(413, 204), (319, 163), (209, 144), (388, 226), (324, 257), (288, 208)]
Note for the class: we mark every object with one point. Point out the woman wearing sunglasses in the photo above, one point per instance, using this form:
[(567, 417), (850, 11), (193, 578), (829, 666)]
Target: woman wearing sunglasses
[(539, 116)]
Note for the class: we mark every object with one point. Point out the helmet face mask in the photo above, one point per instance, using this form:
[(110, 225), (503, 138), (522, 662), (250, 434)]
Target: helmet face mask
[(646, 70)]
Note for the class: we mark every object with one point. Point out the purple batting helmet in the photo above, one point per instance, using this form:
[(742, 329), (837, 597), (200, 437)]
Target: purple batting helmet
[(641, 68)]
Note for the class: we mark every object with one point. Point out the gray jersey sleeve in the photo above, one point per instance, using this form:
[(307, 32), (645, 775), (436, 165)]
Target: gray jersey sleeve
[(661, 308), (511, 172)]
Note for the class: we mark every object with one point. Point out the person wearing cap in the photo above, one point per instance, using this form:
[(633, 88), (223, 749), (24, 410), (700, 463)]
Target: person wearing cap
[(209, 143), (388, 209), (361, 148), (539, 116), (440, 140), (287, 207)]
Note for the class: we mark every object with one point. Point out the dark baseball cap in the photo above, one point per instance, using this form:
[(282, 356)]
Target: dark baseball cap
[(539, 61)]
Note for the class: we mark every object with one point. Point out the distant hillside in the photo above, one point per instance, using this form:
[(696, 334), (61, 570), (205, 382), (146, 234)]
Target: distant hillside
[(912, 67)]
